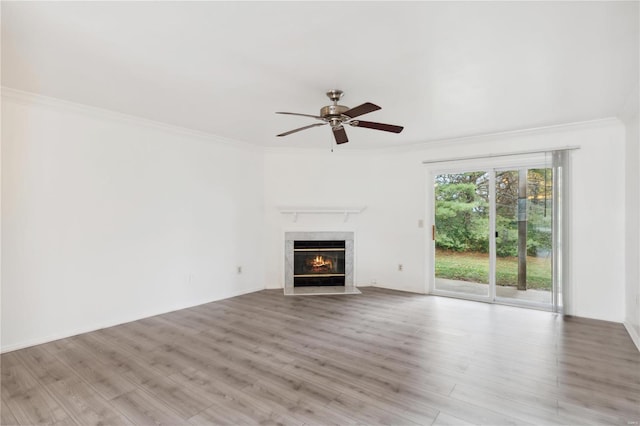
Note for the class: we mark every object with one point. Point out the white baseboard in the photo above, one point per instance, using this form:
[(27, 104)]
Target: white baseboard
[(94, 327), (274, 287), (397, 289), (634, 335)]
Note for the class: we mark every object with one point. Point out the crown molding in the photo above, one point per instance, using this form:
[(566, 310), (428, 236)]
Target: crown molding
[(460, 141), (508, 134), (30, 98)]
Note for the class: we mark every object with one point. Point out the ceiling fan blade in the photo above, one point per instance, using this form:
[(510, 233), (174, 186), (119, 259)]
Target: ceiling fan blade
[(340, 135), (301, 115), (365, 108), (377, 126), (301, 128)]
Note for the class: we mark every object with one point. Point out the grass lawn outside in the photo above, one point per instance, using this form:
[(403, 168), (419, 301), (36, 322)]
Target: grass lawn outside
[(474, 267)]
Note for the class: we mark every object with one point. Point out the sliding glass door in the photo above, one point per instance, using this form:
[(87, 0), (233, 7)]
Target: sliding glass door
[(523, 237), (492, 235), (461, 233)]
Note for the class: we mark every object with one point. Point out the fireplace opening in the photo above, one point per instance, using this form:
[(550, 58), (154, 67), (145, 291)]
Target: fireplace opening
[(318, 263)]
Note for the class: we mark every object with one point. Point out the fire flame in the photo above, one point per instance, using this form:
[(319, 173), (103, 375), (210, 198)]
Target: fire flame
[(319, 263)]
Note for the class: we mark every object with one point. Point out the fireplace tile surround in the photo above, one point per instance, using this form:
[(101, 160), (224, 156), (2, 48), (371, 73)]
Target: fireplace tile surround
[(291, 237)]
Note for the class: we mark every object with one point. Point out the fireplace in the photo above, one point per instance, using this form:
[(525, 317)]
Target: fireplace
[(318, 263)]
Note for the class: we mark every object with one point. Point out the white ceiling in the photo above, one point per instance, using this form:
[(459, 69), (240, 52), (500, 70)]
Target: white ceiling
[(441, 69)]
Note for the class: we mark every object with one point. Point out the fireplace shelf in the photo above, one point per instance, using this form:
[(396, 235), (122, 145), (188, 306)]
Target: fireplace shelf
[(345, 211)]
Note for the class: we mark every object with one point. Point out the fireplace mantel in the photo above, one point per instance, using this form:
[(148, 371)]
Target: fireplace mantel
[(295, 211)]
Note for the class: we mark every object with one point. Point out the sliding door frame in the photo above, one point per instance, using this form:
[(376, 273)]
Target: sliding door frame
[(491, 166)]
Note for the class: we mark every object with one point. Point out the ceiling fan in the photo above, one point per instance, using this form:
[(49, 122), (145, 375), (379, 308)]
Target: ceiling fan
[(338, 115)]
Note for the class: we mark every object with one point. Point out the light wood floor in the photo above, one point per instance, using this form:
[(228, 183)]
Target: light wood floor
[(383, 357)]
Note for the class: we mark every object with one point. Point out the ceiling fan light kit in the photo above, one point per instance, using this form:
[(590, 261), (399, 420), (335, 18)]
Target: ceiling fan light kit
[(338, 115)]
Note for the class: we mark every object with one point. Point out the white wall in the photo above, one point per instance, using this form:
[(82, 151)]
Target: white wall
[(391, 184), (107, 219), (630, 117), (386, 233)]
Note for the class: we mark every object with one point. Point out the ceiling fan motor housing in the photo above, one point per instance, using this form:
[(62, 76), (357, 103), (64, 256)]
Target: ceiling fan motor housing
[(333, 114)]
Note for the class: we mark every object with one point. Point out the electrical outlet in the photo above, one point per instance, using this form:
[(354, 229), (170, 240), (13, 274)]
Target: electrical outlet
[(400, 267), (420, 223), (239, 269)]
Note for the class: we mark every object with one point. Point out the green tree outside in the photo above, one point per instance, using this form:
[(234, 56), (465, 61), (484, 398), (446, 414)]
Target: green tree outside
[(462, 224)]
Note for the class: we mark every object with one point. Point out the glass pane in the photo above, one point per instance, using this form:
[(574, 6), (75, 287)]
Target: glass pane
[(318, 263), (523, 234), (462, 233)]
